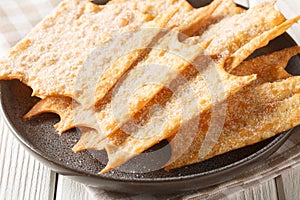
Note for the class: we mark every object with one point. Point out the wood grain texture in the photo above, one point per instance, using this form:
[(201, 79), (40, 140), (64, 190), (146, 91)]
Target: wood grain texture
[(265, 191), (288, 184), (68, 189), (21, 175)]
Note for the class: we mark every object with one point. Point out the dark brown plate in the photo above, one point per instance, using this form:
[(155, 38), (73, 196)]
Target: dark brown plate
[(137, 176)]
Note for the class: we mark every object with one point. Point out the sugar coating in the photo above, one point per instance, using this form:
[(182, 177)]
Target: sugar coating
[(209, 85)]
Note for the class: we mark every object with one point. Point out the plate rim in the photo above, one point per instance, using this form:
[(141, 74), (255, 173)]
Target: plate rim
[(56, 166)]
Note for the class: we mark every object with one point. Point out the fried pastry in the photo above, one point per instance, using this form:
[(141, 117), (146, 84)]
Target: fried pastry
[(144, 75)]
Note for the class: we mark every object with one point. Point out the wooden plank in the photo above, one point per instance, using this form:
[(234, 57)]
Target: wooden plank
[(265, 191), (68, 189), (288, 184), (237, 196), (21, 175)]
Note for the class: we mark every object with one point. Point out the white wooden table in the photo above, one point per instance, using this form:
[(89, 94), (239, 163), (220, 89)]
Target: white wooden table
[(23, 177)]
